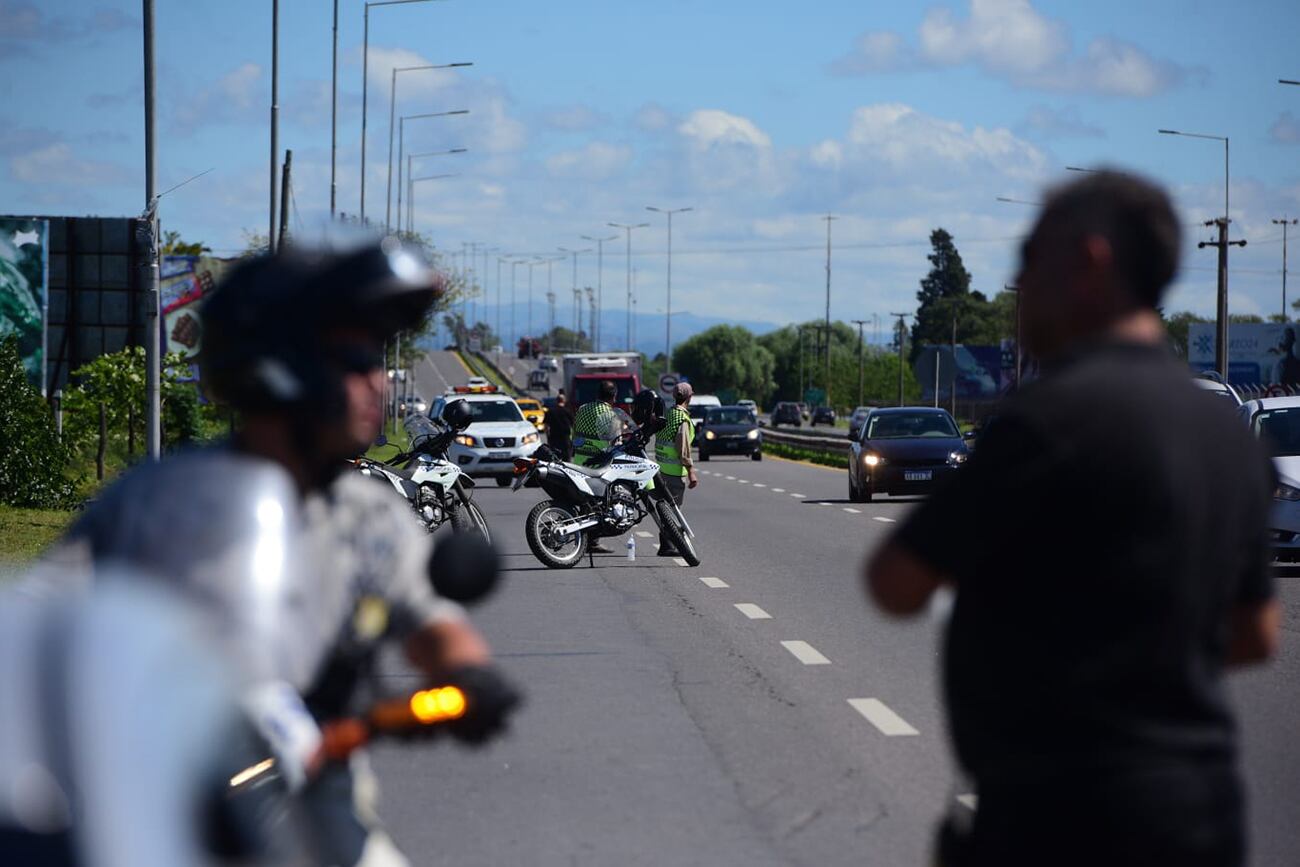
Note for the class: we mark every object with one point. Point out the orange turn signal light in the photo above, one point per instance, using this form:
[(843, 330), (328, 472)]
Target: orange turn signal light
[(437, 705)]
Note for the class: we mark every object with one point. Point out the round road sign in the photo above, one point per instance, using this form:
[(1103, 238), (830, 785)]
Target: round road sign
[(668, 382)]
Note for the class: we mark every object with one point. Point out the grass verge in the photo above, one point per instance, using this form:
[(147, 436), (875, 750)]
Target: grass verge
[(800, 453), (476, 364), (25, 533)]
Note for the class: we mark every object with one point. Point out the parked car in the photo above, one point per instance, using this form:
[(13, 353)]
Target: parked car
[(903, 450), (856, 419), (823, 415), (786, 413), (1276, 422), (730, 430), (498, 435)]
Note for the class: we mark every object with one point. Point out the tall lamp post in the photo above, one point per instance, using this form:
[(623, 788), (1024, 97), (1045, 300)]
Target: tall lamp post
[(401, 147), (410, 212), (365, 86), (575, 254), (859, 323), (668, 313), (1284, 222), (392, 114), (628, 227), (1221, 325), (600, 274)]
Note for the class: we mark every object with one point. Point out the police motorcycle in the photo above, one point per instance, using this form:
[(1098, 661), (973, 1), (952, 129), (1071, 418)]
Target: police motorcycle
[(608, 496), (437, 490)]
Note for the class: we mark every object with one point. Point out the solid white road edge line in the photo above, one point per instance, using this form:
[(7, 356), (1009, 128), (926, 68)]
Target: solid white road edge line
[(715, 583), (805, 653), (752, 611), (879, 715)]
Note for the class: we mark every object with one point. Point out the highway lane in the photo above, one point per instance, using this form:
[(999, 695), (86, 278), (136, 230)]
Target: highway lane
[(703, 716)]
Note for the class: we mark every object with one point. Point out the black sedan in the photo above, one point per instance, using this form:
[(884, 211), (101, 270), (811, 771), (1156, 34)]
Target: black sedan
[(903, 450), (730, 430)]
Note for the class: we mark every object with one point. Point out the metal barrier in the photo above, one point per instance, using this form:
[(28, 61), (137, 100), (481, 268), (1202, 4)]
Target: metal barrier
[(834, 445)]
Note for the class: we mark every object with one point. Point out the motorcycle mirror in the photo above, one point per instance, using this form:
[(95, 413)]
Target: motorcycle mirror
[(654, 425), (464, 568)]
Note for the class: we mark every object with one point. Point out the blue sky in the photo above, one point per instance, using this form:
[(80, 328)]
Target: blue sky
[(895, 117)]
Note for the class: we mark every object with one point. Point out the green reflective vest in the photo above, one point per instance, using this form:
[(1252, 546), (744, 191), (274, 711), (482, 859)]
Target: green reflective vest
[(666, 453), (591, 427)]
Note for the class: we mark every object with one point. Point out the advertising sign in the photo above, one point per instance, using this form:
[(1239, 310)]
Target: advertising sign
[(186, 280), (24, 291), (1258, 353)]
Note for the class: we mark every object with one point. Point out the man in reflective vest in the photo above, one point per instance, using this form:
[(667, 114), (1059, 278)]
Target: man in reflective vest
[(673, 454), (595, 428)]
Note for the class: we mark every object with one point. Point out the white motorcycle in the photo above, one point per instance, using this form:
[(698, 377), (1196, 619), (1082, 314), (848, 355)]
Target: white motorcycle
[(435, 487), (607, 497)]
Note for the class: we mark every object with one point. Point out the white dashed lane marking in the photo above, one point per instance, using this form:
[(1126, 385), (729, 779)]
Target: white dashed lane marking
[(643, 534), (805, 653), (759, 485), (883, 520), (715, 583), (852, 511), (879, 715), (752, 611), (800, 496), (970, 802), (679, 561), (732, 478), (778, 490), (742, 481)]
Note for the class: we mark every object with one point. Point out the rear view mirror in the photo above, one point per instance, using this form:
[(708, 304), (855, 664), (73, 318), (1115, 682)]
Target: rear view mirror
[(464, 567), (654, 425)]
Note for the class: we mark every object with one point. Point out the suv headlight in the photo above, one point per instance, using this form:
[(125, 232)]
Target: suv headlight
[(753, 435), (957, 458), (529, 439), (1286, 492), (708, 435), (872, 459), (467, 440)]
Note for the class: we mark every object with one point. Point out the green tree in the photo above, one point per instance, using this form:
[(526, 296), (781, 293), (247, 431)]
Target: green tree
[(1178, 326), (944, 294), (172, 245), (33, 461), (725, 357)]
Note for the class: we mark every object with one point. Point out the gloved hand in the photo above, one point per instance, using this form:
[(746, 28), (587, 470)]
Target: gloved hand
[(490, 699)]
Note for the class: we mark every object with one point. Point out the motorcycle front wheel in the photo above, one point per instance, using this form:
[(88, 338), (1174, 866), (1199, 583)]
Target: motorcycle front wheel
[(468, 519), (676, 533), (553, 551)]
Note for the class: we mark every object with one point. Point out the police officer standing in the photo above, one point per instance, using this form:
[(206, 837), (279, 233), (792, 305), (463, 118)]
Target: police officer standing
[(595, 428), (673, 454)]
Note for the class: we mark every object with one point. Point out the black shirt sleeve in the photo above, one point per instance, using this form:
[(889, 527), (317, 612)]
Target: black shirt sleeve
[(977, 516), (1255, 583)]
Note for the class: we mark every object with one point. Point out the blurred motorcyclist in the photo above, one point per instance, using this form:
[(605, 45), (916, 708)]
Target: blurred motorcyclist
[(331, 565)]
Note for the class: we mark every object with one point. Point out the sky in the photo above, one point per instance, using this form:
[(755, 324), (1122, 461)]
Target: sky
[(764, 118)]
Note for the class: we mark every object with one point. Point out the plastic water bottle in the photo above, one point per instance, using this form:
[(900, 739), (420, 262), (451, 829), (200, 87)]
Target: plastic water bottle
[(631, 547)]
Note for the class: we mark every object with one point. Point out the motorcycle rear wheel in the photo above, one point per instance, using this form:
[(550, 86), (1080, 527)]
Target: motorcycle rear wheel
[(537, 527), (676, 533)]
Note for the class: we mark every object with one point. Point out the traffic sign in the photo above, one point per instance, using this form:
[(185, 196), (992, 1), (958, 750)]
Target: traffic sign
[(668, 382)]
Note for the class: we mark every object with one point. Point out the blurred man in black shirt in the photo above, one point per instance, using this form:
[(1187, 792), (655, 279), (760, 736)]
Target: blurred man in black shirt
[(559, 428), (1107, 546)]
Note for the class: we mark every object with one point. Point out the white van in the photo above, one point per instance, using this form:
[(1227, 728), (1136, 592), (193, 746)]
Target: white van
[(700, 405)]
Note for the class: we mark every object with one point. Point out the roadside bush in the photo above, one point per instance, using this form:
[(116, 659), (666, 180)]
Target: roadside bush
[(33, 462)]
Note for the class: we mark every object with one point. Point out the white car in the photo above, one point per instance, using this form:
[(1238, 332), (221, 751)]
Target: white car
[(1276, 420), (498, 435), (548, 362), (1215, 386), (477, 382)]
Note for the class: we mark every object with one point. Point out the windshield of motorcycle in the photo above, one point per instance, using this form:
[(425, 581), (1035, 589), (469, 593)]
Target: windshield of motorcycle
[(419, 429)]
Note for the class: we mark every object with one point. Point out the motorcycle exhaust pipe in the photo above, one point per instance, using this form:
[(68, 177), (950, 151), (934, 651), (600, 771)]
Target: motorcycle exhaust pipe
[(570, 527)]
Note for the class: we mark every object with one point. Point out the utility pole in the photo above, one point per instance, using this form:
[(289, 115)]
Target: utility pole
[(800, 330), (591, 310), (334, 113), (577, 314), (600, 276), (952, 390), (153, 332), (902, 334), (1284, 222), (829, 219), (668, 310), (284, 199), (628, 227), (859, 323), (1221, 335), (550, 334), (275, 116), (500, 340)]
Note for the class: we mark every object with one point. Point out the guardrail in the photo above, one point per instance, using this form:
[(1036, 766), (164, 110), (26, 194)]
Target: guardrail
[(833, 445)]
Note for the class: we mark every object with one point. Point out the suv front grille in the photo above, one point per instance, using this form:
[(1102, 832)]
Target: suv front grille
[(498, 442)]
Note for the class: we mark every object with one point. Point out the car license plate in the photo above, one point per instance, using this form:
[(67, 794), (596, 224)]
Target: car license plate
[(918, 475), (498, 454)]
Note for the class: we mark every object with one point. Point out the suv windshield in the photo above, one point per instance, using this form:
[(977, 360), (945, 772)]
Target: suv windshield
[(1279, 429), (495, 410), (903, 425), (730, 416)]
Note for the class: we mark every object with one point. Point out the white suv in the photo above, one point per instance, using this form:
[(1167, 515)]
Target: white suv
[(1276, 421), (498, 435)]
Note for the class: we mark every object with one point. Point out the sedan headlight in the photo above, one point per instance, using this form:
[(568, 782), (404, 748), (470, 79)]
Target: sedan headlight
[(529, 439), (871, 459), (467, 440), (708, 435), (1286, 492), (753, 435), (957, 458)]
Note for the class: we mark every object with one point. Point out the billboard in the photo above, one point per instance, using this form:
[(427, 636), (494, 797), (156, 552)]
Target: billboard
[(24, 291), (982, 373), (1262, 354), (185, 282)]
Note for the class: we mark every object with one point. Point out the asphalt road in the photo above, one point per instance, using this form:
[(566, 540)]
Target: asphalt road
[(754, 710)]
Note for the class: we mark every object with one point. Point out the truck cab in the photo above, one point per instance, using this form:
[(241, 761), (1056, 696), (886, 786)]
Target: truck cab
[(583, 373)]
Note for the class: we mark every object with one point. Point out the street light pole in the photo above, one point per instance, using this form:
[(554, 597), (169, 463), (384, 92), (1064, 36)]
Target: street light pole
[(1221, 327), (153, 332), (275, 118), (401, 149), (600, 274), (1284, 222), (628, 227), (859, 323), (578, 304), (668, 313), (829, 219), (392, 114), (902, 333)]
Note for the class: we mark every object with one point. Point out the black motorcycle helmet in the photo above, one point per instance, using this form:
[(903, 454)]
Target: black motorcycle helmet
[(458, 415), (647, 405), (264, 327)]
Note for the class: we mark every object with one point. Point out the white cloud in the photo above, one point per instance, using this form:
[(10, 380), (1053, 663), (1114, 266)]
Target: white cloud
[(1049, 122), (236, 97), (595, 161), (573, 118), (1012, 40), (56, 164), (708, 128), (1286, 129), (653, 117)]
